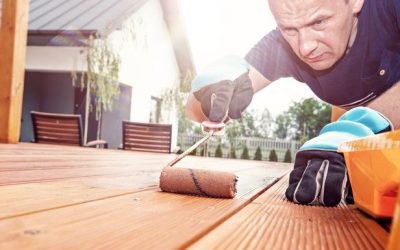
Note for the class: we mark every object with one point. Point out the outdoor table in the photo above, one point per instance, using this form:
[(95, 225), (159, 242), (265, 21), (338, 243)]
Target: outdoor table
[(65, 197)]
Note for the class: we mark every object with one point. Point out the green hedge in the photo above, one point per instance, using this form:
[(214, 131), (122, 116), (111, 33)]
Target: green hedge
[(288, 156), (245, 153), (273, 156), (258, 154), (218, 151)]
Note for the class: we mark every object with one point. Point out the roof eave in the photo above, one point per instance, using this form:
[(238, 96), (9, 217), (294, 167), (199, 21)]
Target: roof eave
[(59, 37)]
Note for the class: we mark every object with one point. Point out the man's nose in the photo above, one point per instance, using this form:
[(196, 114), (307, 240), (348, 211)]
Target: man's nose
[(307, 43)]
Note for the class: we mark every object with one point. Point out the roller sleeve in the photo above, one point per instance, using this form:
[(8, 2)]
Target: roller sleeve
[(198, 182)]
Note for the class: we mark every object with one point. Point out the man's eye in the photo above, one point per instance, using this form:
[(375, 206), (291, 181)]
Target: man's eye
[(319, 24)]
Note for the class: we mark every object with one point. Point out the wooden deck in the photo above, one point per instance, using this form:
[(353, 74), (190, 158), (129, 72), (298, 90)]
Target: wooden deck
[(60, 197)]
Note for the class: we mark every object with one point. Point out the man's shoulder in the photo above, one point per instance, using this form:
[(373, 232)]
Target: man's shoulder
[(274, 36), (273, 57), (381, 14), (381, 2), (388, 6), (275, 40)]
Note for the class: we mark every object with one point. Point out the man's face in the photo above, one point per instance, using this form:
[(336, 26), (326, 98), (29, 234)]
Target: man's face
[(319, 31)]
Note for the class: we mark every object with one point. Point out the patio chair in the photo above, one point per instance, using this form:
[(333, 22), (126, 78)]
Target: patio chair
[(149, 137), (63, 129)]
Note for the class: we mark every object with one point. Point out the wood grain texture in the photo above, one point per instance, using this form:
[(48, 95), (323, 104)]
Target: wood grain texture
[(147, 220), (67, 197), (271, 222), (13, 37), (74, 197)]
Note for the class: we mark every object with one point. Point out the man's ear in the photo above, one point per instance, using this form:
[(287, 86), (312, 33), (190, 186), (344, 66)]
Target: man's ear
[(356, 5)]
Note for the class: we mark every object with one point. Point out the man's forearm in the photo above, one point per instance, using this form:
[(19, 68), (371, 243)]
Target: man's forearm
[(389, 105), (257, 80)]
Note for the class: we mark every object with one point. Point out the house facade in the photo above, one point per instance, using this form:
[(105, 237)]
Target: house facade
[(148, 37)]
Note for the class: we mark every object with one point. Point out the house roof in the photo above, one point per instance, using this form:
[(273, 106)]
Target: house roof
[(69, 22)]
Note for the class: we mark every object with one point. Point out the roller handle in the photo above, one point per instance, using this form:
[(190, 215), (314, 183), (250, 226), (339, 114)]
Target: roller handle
[(193, 147), (210, 129)]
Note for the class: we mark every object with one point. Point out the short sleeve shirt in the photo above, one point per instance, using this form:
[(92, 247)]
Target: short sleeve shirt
[(370, 67)]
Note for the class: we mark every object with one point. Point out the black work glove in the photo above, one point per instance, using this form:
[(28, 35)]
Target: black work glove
[(318, 177), (225, 97), (319, 174)]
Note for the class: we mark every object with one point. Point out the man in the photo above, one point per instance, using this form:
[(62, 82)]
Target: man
[(346, 51)]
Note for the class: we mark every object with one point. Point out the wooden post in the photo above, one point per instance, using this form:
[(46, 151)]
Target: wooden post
[(13, 38)]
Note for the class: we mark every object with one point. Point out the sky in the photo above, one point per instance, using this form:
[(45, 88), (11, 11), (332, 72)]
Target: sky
[(217, 28)]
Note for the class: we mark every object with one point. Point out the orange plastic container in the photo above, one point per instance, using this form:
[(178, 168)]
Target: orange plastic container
[(373, 164), (394, 240)]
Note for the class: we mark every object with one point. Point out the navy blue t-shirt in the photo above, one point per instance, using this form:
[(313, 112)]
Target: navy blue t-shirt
[(371, 66)]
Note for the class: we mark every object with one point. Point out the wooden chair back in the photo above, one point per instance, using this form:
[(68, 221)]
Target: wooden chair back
[(149, 137), (51, 128)]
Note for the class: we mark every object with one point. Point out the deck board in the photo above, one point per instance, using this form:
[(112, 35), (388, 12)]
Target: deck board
[(271, 222), (86, 198), (71, 197), (147, 219)]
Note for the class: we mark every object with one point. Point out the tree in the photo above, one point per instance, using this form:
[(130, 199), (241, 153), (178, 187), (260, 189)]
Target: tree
[(175, 98), (282, 124), (232, 131), (303, 119), (101, 79), (309, 116), (288, 156), (245, 126), (185, 125), (218, 151), (247, 123), (258, 154), (264, 123), (245, 153), (273, 156)]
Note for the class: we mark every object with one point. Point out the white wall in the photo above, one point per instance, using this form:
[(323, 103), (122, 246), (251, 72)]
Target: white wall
[(148, 59), (62, 59)]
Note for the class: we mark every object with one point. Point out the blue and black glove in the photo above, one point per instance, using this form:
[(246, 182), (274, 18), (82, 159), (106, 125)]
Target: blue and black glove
[(319, 175), (224, 89)]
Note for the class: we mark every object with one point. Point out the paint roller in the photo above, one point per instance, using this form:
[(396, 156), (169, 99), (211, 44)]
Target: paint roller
[(199, 181)]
